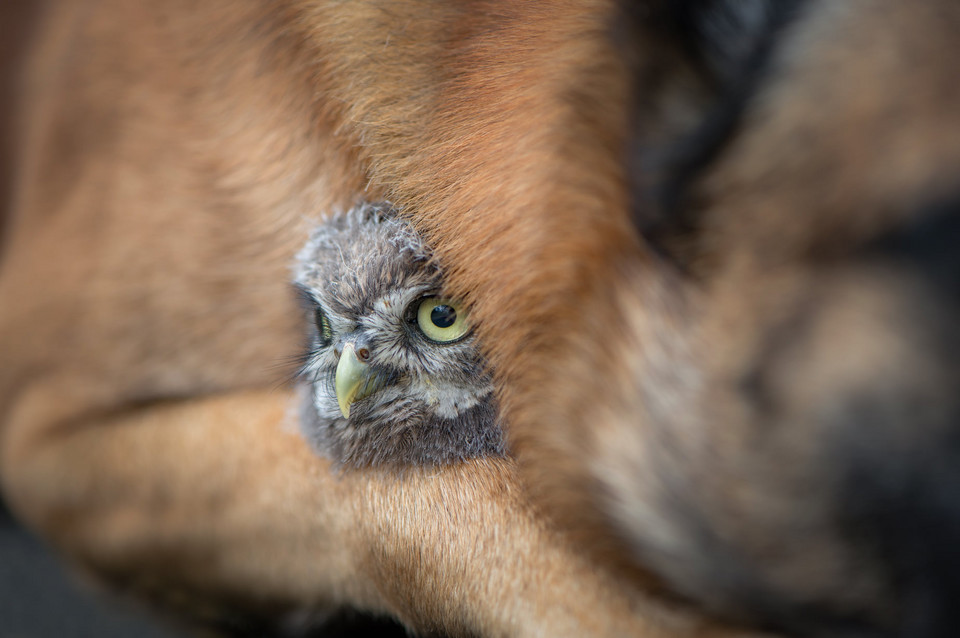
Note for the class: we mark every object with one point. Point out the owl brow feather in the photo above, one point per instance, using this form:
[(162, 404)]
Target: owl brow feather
[(307, 299)]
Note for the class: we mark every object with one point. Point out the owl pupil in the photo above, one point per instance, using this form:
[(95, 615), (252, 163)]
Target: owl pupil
[(443, 316)]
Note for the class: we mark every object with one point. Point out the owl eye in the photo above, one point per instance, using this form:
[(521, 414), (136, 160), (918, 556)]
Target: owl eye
[(324, 330), (442, 320)]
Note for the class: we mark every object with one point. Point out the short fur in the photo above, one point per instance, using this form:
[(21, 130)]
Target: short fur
[(695, 238), (366, 271)]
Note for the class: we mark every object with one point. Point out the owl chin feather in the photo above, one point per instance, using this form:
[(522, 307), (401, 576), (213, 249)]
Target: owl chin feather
[(410, 436), (363, 275)]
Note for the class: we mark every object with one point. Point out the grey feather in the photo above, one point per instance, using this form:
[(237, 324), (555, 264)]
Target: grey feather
[(367, 271)]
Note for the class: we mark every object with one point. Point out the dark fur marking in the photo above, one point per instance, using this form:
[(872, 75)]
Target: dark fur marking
[(733, 72), (898, 499), (931, 244)]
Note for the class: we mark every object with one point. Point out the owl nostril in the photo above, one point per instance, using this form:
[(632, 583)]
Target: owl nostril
[(363, 354)]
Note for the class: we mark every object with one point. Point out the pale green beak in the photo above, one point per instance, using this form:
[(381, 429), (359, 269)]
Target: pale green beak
[(355, 380)]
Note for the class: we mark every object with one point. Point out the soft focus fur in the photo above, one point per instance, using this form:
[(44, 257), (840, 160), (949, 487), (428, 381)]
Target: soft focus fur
[(709, 248), (172, 158)]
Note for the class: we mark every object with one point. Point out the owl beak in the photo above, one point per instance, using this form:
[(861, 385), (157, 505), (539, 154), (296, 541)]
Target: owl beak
[(354, 380)]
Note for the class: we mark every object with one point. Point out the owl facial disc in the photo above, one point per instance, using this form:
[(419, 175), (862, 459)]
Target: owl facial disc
[(395, 373)]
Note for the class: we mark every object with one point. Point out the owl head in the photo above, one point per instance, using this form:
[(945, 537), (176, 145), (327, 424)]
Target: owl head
[(392, 368)]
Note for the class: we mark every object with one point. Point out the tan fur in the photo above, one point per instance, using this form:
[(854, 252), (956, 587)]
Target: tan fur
[(171, 157), (854, 134)]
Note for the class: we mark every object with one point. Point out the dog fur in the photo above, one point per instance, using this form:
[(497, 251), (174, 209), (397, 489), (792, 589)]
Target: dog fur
[(698, 241)]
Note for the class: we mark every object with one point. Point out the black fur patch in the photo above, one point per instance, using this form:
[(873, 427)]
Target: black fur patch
[(729, 45), (931, 244), (899, 499)]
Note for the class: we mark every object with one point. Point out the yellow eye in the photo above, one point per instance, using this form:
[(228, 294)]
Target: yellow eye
[(442, 320)]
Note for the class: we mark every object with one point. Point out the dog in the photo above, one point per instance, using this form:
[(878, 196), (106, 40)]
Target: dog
[(707, 245)]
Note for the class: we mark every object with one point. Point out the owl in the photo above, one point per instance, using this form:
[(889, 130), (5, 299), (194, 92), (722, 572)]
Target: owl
[(392, 371)]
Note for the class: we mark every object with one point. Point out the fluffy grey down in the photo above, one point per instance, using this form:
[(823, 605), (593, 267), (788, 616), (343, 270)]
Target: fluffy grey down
[(363, 273)]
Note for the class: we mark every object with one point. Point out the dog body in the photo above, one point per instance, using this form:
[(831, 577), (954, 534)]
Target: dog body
[(692, 235), (171, 160)]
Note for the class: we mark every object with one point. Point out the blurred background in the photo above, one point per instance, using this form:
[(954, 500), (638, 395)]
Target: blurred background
[(39, 598)]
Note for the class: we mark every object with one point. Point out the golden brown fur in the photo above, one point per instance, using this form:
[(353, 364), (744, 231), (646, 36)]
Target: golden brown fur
[(761, 409), (170, 157)]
